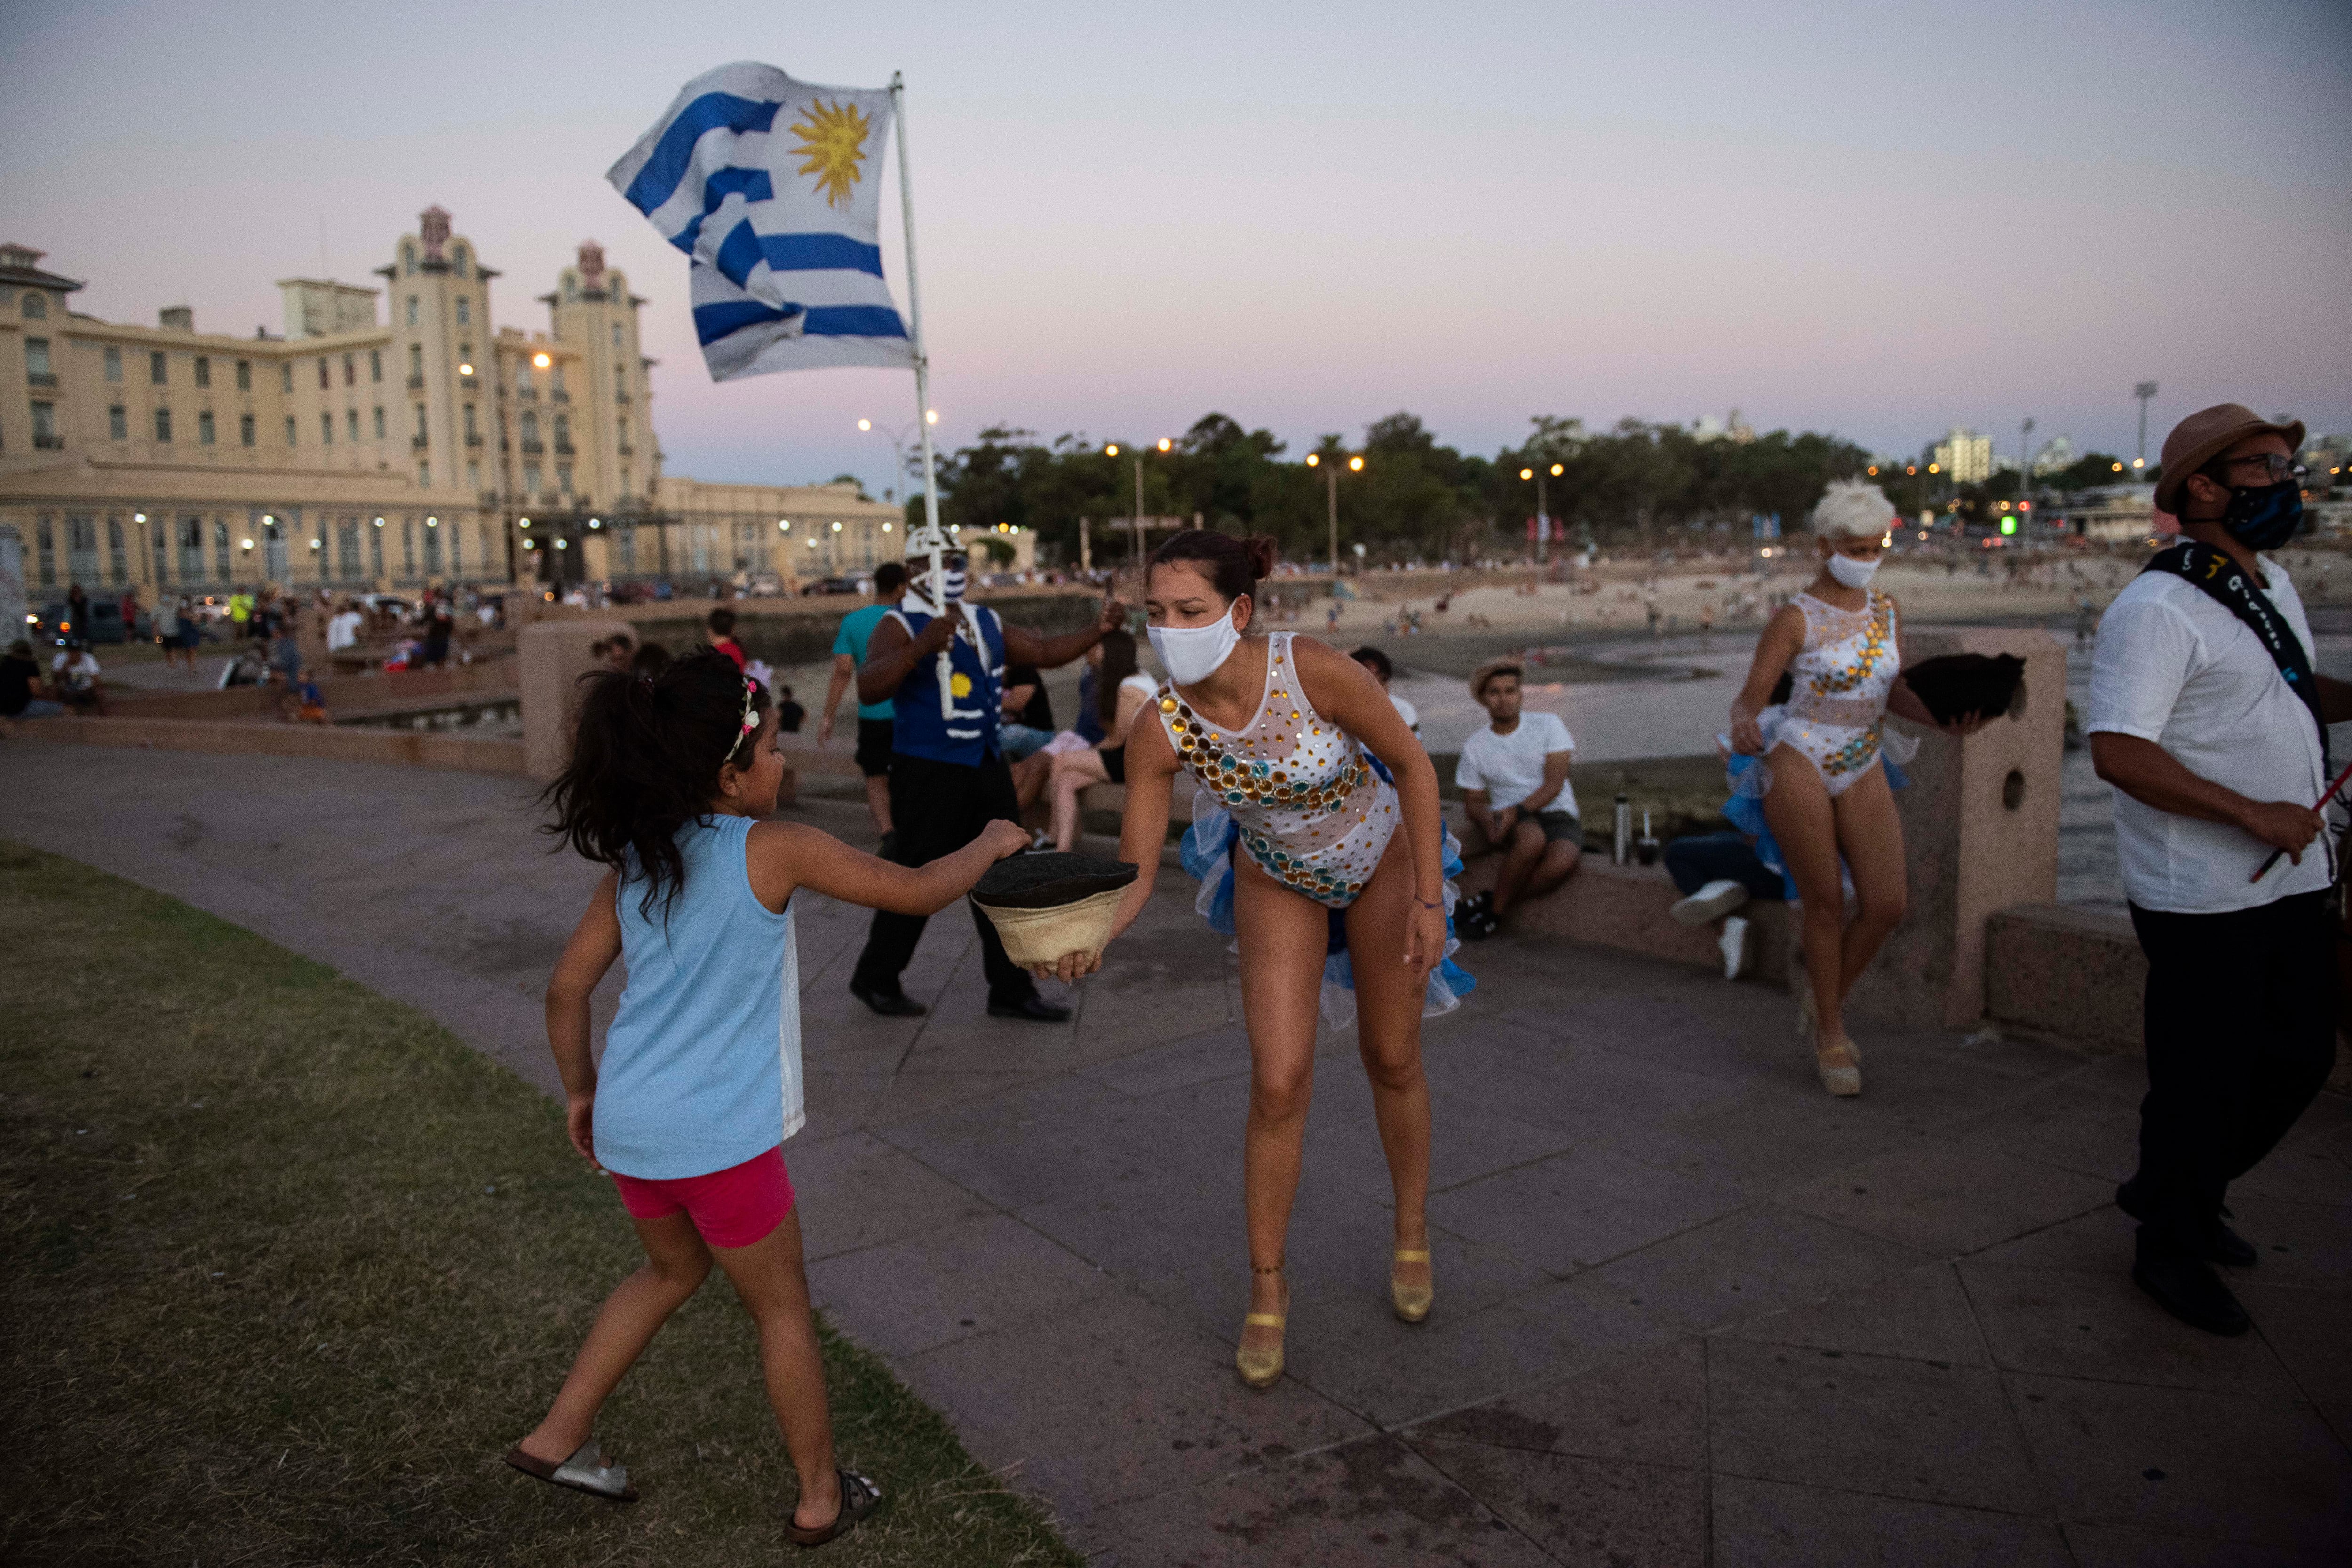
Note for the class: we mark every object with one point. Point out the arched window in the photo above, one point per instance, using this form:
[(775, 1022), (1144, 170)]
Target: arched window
[(571, 287), (530, 429), (37, 306), (457, 259), (409, 260), (563, 431)]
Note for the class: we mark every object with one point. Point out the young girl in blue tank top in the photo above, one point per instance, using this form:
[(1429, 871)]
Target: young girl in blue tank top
[(669, 784)]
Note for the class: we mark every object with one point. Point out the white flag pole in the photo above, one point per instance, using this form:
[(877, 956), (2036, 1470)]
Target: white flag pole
[(937, 593)]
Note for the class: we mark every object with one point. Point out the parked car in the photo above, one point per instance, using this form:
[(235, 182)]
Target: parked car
[(762, 585), (840, 585), (103, 623)]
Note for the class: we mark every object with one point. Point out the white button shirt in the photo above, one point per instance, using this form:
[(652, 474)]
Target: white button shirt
[(2176, 668)]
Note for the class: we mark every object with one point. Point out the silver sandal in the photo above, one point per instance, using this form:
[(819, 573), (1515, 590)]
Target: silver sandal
[(859, 1497), (586, 1470)]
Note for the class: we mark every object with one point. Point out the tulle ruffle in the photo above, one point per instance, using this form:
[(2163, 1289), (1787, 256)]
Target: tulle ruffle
[(1750, 779)]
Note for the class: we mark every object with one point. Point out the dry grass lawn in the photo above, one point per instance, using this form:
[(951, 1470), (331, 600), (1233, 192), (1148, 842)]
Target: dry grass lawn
[(284, 1268)]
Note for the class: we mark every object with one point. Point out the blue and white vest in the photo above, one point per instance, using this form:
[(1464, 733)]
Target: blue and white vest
[(968, 737)]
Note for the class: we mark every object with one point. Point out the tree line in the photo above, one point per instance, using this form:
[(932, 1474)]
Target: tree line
[(1414, 498)]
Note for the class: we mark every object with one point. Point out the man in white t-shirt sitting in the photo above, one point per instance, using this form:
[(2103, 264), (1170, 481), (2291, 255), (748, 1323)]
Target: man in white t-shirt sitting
[(1376, 661), (343, 627), (2198, 719), (1514, 780)]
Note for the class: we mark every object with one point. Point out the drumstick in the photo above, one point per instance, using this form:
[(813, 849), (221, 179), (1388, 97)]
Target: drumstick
[(2322, 805)]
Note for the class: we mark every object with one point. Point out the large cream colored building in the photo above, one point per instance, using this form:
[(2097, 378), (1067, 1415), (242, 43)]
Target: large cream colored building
[(350, 452)]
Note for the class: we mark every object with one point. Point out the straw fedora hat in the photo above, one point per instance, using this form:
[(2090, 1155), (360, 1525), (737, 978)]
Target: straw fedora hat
[(1046, 907), (2206, 434), (1488, 670)]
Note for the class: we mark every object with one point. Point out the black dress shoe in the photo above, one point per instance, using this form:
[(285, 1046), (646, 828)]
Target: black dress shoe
[(1035, 1008), (2215, 1243), (889, 1004), (2188, 1288), (2226, 1245)]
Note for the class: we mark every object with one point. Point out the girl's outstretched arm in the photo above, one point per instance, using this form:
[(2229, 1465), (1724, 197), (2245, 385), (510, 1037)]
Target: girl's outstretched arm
[(596, 943), (784, 855)]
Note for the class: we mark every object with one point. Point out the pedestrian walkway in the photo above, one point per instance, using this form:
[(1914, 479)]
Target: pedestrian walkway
[(1689, 1309)]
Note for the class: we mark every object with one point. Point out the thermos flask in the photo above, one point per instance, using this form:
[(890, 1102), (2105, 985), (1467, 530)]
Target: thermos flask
[(1621, 843)]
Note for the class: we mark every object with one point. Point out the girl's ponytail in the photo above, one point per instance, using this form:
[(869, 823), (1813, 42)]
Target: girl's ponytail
[(645, 761)]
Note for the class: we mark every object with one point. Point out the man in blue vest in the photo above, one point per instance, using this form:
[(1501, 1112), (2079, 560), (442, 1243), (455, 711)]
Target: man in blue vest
[(948, 780)]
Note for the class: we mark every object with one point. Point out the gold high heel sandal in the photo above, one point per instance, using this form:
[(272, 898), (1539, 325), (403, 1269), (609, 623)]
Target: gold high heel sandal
[(1841, 1068), (1411, 1302), (1263, 1369)]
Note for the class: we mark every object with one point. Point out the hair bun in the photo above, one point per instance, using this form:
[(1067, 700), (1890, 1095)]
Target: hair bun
[(1261, 552)]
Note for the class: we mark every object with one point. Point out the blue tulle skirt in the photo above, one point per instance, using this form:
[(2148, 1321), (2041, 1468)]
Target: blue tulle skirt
[(1751, 780)]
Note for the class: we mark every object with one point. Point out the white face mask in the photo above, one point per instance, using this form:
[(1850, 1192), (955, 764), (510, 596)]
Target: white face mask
[(1193, 653), (1852, 573)]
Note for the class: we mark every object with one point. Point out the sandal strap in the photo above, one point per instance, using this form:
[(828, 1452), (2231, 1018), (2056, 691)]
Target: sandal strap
[(1263, 1321), (1410, 1254)]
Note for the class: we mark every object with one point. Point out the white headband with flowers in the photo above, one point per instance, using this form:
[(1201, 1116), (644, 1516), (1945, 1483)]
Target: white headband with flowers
[(750, 716)]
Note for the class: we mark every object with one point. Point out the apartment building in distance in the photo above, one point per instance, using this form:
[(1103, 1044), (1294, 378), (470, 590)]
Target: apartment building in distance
[(1963, 457), (391, 437)]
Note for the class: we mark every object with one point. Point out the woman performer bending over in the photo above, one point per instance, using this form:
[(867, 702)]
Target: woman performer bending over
[(1288, 739), (1827, 795)]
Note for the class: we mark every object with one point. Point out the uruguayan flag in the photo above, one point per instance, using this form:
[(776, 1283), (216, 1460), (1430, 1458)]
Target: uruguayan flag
[(774, 188)]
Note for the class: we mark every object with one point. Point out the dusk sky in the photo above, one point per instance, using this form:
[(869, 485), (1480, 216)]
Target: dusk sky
[(1879, 219)]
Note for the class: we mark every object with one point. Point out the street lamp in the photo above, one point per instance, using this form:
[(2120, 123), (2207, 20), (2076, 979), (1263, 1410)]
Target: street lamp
[(1543, 510), (1331, 474), (2144, 391), (1111, 450), (898, 444)]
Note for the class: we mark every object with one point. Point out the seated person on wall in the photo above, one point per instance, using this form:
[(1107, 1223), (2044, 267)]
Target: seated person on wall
[(1718, 873), (1121, 690), (1027, 726), (1514, 780), (74, 678), (20, 685), (1376, 661)]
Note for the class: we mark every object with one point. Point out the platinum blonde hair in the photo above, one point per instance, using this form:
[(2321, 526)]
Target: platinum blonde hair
[(1852, 510)]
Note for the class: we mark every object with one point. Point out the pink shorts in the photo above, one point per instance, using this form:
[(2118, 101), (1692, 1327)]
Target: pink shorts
[(733, 1207)]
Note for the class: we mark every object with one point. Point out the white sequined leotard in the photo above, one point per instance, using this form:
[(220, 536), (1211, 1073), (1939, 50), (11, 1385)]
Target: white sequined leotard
[(1311, 810), (1839, 684)]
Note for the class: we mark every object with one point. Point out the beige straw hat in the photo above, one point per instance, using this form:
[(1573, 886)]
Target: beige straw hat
[(1049, 936)]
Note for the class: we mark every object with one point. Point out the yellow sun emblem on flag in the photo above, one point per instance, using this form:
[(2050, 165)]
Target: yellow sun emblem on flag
[(832, 147), (960, 683)]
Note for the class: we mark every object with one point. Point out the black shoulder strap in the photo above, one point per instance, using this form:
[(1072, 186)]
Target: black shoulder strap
[(2227, 585)]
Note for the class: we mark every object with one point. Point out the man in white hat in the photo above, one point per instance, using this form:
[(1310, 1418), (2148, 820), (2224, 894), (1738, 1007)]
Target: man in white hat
[(2207, 717)]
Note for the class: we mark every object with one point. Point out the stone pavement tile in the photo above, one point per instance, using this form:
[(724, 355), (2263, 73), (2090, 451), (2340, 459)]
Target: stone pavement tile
[(1921, 1315), (2174, 1461), (1354, 1351), (2097, 1324), (1466, 1140), (972, 1276), (2111, 1546), (1583, 1090), (1868, 1423), (2303, 1168), (838, 1102), (913, 1094), (2097, 1242), (1582, 1509), (1144, 1226), (1117, 1401), (1648, 1407), (1175, 1064), (857, 1191), (960, 1037), (2066, 1123), (1580, 1208), (1368, 1502), (2311, 1330), (1671, 1033), (1929, 1090), (2301, 1244), (1042, 1141), (1748, 1263), (1767, 1524), (1945, 1198), (1766, 1139)]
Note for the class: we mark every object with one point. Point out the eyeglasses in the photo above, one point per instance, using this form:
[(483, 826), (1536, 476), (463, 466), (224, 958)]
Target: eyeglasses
[(2279, 469)]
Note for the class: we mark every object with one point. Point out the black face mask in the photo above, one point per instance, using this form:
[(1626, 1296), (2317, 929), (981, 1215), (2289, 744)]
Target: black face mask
[(2264, 517)]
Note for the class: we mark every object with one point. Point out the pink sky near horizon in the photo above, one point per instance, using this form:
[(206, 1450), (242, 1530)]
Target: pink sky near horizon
[(1875, 219)]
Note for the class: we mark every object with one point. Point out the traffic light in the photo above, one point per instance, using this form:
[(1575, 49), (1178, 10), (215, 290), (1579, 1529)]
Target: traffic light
[(2008, 525)]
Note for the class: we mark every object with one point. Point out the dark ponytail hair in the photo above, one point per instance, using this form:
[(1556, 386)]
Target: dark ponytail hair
[(1232, 566), (645, 755), (1118, 664)]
